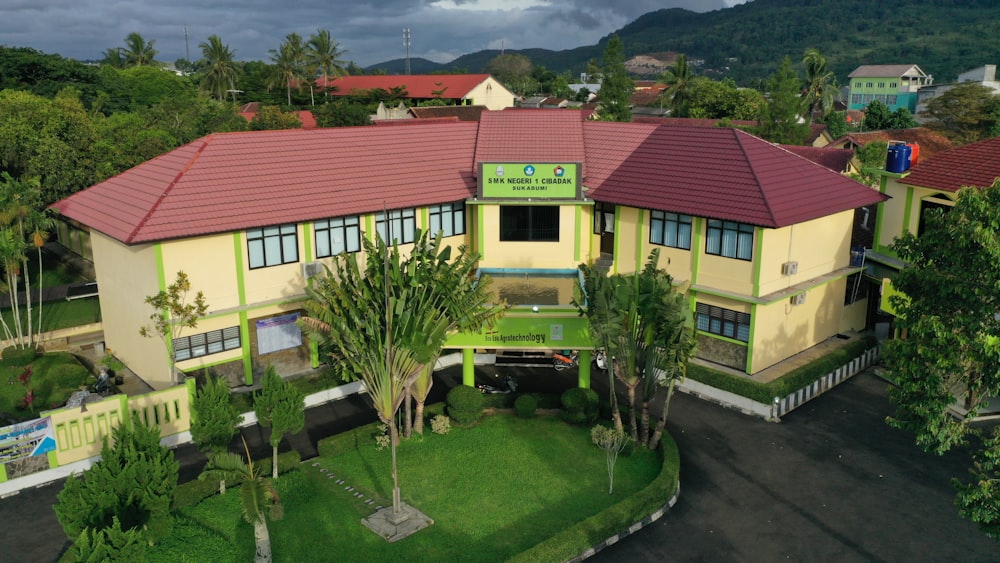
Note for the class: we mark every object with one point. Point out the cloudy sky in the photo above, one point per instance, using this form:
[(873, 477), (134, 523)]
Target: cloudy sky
[(370, 31)]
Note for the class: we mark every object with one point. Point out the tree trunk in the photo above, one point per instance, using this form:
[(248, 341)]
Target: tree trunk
[(274, 461), (39, 328), (393, 440), (631, 413), (654, 441), (418, 418), (222, 486), (616, 414), (644, 428), (263, 539), (408, 414), (27, 300)]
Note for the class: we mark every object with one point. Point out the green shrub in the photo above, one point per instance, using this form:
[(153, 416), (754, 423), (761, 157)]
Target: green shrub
[(193, 492), (580, 406), (526, 405), (465, 404), (68, 375), (498, 400), (14, 356)]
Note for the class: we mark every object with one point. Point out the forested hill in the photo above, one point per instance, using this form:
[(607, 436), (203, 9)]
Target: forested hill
[(748, 41)]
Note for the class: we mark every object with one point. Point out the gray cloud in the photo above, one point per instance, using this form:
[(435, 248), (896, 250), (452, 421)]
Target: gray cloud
[(371, 32)]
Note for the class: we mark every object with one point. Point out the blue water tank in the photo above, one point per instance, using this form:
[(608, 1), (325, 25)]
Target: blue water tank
[(897, 159)]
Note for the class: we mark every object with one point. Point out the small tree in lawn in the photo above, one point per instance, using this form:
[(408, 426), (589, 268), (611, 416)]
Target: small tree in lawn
[(132, 485), (172, 313), (280, 407), (613, 441), (215, 418), (109, 544), (258, 496)]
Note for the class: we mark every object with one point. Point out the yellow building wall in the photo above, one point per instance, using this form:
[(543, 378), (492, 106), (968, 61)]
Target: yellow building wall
[(725, 274), (634, 247), (782, 329), (491, 94), (819, 247), (891, 214), (126, 275), (209, 263), (512, 254), (854, 316), (209, 324), (284, 281)]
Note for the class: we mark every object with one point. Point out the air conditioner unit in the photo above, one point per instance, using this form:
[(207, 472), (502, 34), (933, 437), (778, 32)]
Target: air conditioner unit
[(311, 269), (799, 299), (789, 268)]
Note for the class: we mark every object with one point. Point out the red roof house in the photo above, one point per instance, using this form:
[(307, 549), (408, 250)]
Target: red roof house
[(475, 89)]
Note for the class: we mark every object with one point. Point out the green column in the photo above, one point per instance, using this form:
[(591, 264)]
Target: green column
[(584, 370), (468, 367)]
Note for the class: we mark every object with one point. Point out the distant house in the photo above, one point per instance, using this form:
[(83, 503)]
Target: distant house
[(985, 75), (894, 85), (930, 142), (458, 89), (249, 111)]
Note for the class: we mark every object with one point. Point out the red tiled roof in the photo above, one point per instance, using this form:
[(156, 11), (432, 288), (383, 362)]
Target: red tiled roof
[(455, 86), (930, 142), (976, 164), (232, 181), (462, 113), (720, 173), (530, 135), (828, 157), (690, 121), (306, 118)]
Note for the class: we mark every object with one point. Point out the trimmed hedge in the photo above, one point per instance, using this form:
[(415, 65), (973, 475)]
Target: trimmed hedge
[(465, 404), (526, 405), (193, 492), (576, 539), (580, 406), (14, 356), (786, 384)]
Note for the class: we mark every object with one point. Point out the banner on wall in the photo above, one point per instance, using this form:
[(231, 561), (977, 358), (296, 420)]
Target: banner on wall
[(27, 439), (529, 181), (278, 333)]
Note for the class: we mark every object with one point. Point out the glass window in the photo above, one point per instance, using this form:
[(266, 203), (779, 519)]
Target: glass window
[(401, 224), (212, 342), (670, 229), (729, 239), (529, 223), (724, 322), (272, 246), (447, 219), (335, 236)]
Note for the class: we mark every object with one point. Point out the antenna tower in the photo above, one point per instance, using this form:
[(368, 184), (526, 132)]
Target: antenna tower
[(406, 43), (187, 50)]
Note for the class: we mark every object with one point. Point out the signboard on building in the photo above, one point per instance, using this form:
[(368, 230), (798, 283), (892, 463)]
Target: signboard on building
[(529, 180), (26, 439), (538, 331)]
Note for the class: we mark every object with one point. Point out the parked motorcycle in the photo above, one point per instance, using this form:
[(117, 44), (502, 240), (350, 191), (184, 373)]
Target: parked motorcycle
[(563, 361), (510, 386)]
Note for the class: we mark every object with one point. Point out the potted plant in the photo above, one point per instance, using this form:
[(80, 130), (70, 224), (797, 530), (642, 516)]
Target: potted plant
[(114, 367)]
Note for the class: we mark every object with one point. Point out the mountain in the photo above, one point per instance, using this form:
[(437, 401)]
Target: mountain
[(748, 41)]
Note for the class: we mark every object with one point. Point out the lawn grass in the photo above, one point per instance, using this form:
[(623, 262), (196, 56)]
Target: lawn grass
[(51, 386), (59, 314), (494, 491)]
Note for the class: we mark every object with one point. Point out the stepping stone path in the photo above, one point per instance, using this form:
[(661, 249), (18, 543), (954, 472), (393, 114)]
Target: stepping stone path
[(356, 494)]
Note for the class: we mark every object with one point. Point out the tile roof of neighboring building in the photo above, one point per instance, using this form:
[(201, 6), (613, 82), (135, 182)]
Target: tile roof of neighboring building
[(423, 86), (228, 182), (232, 181), (930, 142), (306, 118), (837, 160), (463, 113), (975, 164), (720, 173), (691, 121), (878, 71)]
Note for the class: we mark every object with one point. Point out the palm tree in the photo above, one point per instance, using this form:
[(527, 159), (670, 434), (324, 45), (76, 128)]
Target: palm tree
[(258, 496), (820, 84), (219, 69), (323, 53), (113, 57), (290, 62), (138, 51), (19, 213), (391, 321), (678, 93)]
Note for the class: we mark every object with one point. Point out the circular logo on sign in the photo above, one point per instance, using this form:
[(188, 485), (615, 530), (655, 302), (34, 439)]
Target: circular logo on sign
[(499, 170), (529, 170), (559, 171)]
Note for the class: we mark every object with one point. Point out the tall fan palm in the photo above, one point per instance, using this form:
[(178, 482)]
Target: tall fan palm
[(138, 51), (289, 61), (391, 320), (323, 53), (258, 496), (220, 70), (820, 87)]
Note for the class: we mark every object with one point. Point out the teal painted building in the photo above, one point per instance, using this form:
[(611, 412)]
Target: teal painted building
[(894, 85)]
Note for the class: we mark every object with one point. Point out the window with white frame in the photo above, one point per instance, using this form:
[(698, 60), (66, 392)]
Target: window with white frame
[(271, 246), (729, 239), (670, 229), (724, 322), (447, 219), (211, 342), (399, 225), (338, 235)]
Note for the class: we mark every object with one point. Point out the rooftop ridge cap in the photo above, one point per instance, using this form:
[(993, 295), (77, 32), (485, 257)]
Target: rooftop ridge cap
[(737, 133)]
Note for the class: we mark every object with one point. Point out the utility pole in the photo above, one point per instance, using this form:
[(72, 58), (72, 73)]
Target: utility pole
[(406, 43), (187, 50)]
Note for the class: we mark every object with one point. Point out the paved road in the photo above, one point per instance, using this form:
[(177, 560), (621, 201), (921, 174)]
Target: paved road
[(830, 483)]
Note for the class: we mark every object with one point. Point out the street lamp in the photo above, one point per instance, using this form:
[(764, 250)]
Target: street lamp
[(234, 92)]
